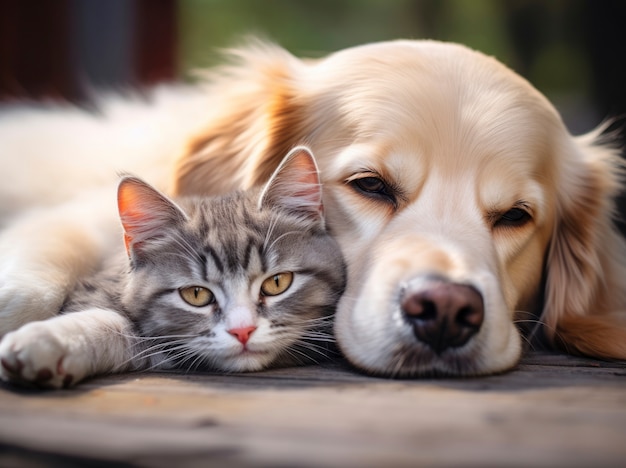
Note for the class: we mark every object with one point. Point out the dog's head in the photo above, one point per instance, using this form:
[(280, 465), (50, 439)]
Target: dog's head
[(460, 201)]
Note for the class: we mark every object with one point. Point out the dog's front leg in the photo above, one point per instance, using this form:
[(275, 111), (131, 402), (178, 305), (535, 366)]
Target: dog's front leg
[(44, 252), (63, 350)]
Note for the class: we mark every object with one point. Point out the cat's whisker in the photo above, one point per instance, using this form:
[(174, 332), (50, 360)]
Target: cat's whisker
[(146, 361), (179, 359), (281, 237), (300, 357), (186, 246), (325, 339), (319, 350), (137, 340), (141, 339), (324, 350), (270, 230), (316, 333), (320, 327), (171, 357), (161, 342), (199, 359), (158, 348), (320, 320), (319, 331), (168, 337)]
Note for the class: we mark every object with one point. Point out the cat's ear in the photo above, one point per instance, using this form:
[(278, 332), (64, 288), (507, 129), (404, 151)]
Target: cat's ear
[(144, 211), (295, 186)]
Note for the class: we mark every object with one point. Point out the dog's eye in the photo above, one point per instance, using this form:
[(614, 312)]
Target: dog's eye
[(370, 184), (513, 218), (374, 187)]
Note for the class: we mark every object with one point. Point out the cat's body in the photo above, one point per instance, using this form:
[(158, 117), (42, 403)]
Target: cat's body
[(232, 283)]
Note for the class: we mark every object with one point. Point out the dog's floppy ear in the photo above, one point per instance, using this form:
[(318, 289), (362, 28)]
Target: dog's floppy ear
[(585, 295), (254, 118)]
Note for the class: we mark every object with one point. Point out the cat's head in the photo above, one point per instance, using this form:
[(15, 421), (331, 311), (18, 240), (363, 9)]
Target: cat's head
[(233, 283)]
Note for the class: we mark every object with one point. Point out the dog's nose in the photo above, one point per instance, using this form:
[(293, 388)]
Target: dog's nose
[(443, 314)]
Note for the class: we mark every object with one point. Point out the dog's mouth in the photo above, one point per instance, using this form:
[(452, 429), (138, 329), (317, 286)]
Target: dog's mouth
[(442, 317), (418, 361), (433, 326)]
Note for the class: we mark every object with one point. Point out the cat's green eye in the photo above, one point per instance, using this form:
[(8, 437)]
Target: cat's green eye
[(197, 296), (277, 284)]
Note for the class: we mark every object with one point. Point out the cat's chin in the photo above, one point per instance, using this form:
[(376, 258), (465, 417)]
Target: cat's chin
[(247, 361)]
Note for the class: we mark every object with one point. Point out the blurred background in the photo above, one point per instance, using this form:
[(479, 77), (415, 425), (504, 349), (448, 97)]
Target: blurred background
[(574, 51)]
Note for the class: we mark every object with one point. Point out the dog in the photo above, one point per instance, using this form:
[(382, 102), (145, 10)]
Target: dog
[(464, 208)]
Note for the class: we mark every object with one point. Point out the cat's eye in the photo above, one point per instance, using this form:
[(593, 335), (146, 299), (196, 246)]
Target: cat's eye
[(277, 284), (197, 296)]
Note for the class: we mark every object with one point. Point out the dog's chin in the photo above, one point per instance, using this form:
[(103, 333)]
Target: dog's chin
[(379, 343)]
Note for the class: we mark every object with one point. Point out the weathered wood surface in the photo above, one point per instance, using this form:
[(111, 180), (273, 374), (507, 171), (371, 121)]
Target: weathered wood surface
[(552, 410)]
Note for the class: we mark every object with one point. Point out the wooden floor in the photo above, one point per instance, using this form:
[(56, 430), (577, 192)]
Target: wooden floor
[(551, 411)]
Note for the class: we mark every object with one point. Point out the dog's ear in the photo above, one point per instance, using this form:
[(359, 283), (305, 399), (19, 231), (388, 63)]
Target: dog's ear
[(254, 117), (585, 295)]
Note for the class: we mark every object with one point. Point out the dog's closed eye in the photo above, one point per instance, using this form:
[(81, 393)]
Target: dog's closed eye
[(373, 186), (515, 217)]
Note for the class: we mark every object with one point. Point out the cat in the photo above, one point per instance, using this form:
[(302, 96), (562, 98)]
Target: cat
[(233, 283)]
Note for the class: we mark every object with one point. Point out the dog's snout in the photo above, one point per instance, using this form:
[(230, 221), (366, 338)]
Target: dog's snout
[(443, 314)]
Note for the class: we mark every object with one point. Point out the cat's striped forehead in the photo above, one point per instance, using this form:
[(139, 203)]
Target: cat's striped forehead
[(231, 234)]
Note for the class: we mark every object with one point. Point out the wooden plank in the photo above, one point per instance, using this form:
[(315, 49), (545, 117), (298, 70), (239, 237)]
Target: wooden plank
[(544, 413)]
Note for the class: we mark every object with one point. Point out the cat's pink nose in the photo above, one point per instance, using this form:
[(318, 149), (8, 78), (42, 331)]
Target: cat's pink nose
[(242, 334)]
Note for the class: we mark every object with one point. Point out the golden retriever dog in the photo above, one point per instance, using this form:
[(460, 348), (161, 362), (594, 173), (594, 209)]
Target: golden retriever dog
[(462, 205)]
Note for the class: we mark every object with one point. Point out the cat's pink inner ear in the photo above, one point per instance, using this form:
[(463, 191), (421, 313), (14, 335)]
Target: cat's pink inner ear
[(296, 185), (303, 165), (143, 210), (130, 211)]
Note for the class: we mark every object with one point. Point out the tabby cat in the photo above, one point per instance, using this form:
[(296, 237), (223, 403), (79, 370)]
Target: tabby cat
[(233, 283)]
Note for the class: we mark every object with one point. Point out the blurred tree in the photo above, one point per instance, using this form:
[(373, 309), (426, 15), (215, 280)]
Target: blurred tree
[(62, 49), (570, 50)]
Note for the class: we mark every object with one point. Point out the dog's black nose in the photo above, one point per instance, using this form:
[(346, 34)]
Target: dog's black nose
[(443, 314)]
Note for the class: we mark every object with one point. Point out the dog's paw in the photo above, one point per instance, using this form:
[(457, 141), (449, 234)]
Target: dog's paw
[(36, 355), (27, 295)]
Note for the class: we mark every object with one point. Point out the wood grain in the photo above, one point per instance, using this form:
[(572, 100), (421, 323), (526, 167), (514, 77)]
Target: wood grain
[(552, 410)]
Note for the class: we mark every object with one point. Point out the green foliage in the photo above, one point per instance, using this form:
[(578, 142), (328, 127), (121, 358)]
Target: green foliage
[(549, 57)]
